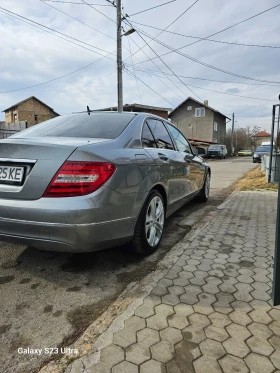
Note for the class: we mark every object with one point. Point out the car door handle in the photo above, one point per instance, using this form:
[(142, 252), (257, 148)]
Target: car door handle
[(163, 157)]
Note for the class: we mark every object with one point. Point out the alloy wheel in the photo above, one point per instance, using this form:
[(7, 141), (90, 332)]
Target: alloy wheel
[(207, 186), (154, 221)]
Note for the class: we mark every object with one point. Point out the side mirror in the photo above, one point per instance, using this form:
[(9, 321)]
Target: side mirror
[(189, 157)]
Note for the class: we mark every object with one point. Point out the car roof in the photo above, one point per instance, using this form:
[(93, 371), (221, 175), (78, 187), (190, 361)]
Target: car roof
[(138, 114)]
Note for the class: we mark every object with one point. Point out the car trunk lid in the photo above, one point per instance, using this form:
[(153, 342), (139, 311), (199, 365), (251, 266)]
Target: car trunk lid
[(35, 161)]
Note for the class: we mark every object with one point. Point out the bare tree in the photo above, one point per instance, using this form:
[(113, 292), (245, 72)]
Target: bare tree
[(252, 136)]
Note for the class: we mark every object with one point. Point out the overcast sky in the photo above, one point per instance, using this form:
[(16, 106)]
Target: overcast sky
[(30, 56)]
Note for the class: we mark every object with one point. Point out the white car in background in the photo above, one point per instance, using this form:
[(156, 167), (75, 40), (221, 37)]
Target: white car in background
[(217, 151)]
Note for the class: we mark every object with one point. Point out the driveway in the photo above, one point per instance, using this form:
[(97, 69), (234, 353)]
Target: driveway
[(227, 171), (48, 299)]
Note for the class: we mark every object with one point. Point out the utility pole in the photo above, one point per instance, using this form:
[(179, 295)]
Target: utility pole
[(232, 131), (276, 272), (119, 55)]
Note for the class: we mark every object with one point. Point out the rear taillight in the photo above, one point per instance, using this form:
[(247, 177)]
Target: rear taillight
[(79, 178)]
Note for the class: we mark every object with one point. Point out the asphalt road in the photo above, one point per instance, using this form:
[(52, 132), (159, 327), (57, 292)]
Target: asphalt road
[(48, 299)]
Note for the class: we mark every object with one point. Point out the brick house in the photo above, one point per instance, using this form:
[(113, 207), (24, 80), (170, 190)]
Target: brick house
[(30, 110), (199, 122), (161, 112)]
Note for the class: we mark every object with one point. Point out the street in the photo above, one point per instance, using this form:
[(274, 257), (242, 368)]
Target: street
[(48, 299)]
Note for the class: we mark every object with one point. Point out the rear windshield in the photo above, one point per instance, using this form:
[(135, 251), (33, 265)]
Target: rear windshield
[(215, 147), (95, 125)]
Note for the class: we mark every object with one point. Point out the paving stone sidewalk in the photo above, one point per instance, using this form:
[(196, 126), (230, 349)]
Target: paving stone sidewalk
[(212, 312)]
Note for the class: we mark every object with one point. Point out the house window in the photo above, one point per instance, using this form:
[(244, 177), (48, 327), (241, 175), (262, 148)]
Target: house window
[(200, 112), (215, 140), (15, 117), (189, 108), (36, 117), (215, 126)]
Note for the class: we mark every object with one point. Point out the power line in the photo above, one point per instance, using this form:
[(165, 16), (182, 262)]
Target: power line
[(229, 27), (240, 118), (99, 11), (224, 93), (209, 80), (146, 10), (72, 2), (218, 32), (169, 68), (68, 90), (76, 19), (161, 72), (59, 38), (165, 99), (60, 77), (58, 32), (129, 72), (146, 43), (170, 24), (128, 39), (207, 39), (52, 80), (200, 62)]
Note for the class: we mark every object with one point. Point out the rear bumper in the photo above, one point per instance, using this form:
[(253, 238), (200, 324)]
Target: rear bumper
[(79, 224), (67, 238)]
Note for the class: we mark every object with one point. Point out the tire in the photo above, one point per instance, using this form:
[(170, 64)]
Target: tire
[(254, 161), (204, 193), (143, 237)]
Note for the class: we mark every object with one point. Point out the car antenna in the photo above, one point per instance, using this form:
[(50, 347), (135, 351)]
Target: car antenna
[(88, 110)]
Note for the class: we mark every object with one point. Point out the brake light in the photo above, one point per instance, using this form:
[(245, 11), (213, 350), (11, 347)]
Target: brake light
[(79, 178)]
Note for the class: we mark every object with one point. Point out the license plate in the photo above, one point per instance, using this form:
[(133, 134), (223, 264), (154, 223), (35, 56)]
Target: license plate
[(10, 174)]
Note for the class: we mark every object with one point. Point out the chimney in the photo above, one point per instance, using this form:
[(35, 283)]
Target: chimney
[(206, 102)]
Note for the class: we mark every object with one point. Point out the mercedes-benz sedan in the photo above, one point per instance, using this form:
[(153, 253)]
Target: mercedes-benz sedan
[(88, 181)]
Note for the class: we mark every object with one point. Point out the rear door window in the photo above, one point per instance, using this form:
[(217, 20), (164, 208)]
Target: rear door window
[(96, 125), (148, 140), (181, 142), (160, 133)]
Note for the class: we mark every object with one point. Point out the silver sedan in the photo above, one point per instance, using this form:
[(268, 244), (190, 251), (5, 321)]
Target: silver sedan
[(89, 181)]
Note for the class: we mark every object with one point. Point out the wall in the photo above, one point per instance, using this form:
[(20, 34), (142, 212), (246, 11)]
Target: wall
[(220, 135), (259, 140), (9, 116), (201, 128)]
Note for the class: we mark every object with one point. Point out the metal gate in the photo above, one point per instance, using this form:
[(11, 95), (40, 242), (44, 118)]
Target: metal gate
[(273, 176), (274, 159)]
